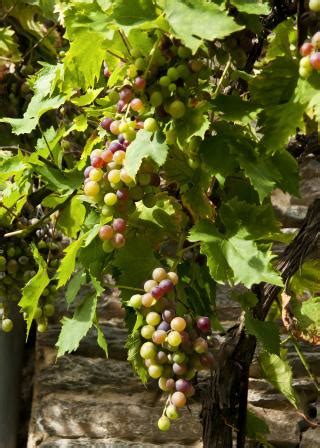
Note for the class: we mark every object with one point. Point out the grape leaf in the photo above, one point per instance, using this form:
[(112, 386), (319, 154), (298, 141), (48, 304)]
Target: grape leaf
[(74, 286), (133, 13), (233, 108), (234, 259), (73, 330), (266, 332), (60, 181), (192, 21), (72, 217), (195, 123), (101, 339), (8, 44), (68, 263), (33, 290), (307, 314), (251, 6), (133, 345), (145, 145), (278, 372), (87, 98), (256, 427), (306, 278)]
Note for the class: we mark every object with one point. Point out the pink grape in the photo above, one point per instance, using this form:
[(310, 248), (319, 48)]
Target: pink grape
[(179, 369), (115, 146), (316, 40), (178, 399), (136, 105), (96, 153), (147, 300), (119, 225), (106, 156), (105, 233), (97, 162), (149, 285), (159, 337), (126, 94), (306, 49), (170, 384), (315, 60), (105, 123), (114, 127), (140, 83), (106, 72), (118, 240), (121, 105)]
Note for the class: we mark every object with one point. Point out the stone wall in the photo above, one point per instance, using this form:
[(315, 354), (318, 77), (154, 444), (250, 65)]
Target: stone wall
[(85, 400)]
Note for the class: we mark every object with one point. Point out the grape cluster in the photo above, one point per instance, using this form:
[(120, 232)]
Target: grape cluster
[(310, 52), (173, 347), (17, 267), (156, 90)]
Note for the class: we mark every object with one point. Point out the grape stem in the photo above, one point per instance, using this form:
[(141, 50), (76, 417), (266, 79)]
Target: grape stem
[(130, 288), (305, 364), (125, 41), (223, 76), (185, 249)]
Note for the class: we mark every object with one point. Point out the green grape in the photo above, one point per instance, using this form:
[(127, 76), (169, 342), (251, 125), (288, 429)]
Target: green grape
[(114, 177), (91, 188), (155, 371), (11, 252), (183, 71), (150, 125), (173, 74), (37, 313), (184, 53), (147, 331), (164, 423), (156, 99), (130, 135), (149, 200), (174, 338), (140, 64), (107, 246), (172, 412), (177, 109), (7, 325), (49, 309), (110, 199), (107, 211), (136, 301), (135, 52), (42, 327), (3, 262), (144, 179), (164, 81), (148, 350), (172, 87), (153, 318)]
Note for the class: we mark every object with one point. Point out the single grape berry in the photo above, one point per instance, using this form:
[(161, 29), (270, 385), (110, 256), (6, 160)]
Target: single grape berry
[(314, 5), (147, 300), (7, 325), (159, 274), (171, 412), (137, 105), (105, 232), (106, 123), (140, 83), (166, 285), (178, 324), (174, 338), (204, 325), (306, 49), (148, 350), (136, 301), (315, 60), (118, 240), (164, 423), (177, 109), (316, 40), (157, 292), (178, 399), (97, 162), (119, 225), (126, 94), (91, 188), (150, 125)]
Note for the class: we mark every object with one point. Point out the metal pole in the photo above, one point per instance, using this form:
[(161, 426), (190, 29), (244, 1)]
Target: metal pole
[(11, 360)]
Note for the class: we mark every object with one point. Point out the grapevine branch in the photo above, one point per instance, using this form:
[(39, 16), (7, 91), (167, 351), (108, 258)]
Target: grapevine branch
[(225, 398)]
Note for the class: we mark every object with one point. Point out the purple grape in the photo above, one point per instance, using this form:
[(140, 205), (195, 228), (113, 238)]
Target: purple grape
[(170, 384), (119, 225), (115, 146), (121, 138), (87, 171), (179, 369), (126, 95), (163, 326), (157, 292), (106, 122), (183, 385), (204, 325), (166, 285), (123, 194), (168, 315)]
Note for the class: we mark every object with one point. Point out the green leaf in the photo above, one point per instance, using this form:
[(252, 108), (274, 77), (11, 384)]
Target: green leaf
[(67, 265), (280, 40), (135, 261), (101, 340), (278, 372), (87, 98), (266, 332), (307, 314), (251, 6), (138, 11), (8, 44), (133, 345), (306, 278), (73, 330), (234, 259), (74, 286), (60, 181), (247, 300), (33, 290), (83, 61), (12, 165), (192, 21), (145, 145), (233, 108), (72, 217), (195, 123)]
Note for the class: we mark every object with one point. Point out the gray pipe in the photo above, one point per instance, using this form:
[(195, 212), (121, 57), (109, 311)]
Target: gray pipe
[(11, 361)]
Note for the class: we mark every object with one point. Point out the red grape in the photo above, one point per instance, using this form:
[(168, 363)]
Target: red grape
[(157, 292), (121, 105), (107, 156), (126, 95), (166, 285), (123, 194), (105, 233), (106, 72), (119, 225), (204, 325), (306, 48), (106, 122), (97, 162), (315, 60), (119, 240), (140, 83)]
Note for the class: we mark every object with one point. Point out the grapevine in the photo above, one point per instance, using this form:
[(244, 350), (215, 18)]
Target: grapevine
[(146, 139)]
